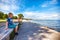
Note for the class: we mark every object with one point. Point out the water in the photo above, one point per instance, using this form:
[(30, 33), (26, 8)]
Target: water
[(50, 23)]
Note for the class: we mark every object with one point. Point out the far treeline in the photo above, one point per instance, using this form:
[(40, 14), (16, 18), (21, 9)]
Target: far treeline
[(4, 16)]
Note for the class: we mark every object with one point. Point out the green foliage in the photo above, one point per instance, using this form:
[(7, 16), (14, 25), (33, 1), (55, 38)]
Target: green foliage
[(12, 35), (5, 16), (1, 15), (14, 17), (20, 15)]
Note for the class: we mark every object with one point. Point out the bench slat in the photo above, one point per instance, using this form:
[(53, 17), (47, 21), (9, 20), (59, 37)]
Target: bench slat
[(5, 33)]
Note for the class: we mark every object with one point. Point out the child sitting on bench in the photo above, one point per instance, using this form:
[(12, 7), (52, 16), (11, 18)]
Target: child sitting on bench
[(10, 24)]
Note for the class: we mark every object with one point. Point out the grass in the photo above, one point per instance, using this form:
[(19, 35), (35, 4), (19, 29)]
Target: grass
[(1, 20), (4, 20)]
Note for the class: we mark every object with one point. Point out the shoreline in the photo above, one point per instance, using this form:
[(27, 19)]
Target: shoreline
[(42, 32), (51, 35), (3, 21)]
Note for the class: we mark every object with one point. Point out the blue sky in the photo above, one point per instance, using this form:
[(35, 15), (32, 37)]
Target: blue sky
[(35, 9)]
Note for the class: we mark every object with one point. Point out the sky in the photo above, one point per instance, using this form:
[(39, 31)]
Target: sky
[(35, 9)]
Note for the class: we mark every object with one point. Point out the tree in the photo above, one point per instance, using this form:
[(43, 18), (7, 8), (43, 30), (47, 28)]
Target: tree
[(14, 17), (5, 16), (20, 15), (1, 15)]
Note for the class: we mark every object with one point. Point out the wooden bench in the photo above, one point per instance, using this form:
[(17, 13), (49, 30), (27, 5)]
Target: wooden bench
[(4, 35)]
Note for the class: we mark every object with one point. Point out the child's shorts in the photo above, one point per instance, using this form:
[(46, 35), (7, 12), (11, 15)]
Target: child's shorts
[(12, 26)]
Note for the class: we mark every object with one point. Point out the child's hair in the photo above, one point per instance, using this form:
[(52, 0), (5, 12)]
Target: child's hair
[(10, 14)]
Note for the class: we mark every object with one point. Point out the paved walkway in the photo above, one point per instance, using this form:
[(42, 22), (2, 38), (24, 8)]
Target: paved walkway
[(27, 30), (32, 31)]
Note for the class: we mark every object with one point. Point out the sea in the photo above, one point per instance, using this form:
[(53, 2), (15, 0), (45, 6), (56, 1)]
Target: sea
[(54, 24)]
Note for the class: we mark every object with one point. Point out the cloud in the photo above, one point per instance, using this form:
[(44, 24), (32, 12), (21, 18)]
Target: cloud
[(4, 7), (49, 3), (38, 15), (53, 2), (44, 5), (8, 1), (8, 5)]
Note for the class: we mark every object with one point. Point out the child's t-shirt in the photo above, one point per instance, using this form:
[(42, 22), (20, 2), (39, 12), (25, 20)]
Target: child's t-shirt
[(10, 21)]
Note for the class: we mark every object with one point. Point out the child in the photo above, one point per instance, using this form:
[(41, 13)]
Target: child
[(19, 21), (10, 24)]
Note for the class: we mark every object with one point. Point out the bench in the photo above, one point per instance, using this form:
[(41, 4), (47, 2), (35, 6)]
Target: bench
[(4, 34)]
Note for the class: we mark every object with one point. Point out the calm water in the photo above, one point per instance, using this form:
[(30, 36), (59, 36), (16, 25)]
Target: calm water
[(50, 23)]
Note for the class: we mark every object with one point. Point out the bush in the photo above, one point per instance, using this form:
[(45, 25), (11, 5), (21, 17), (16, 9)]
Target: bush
[(12, 35)]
